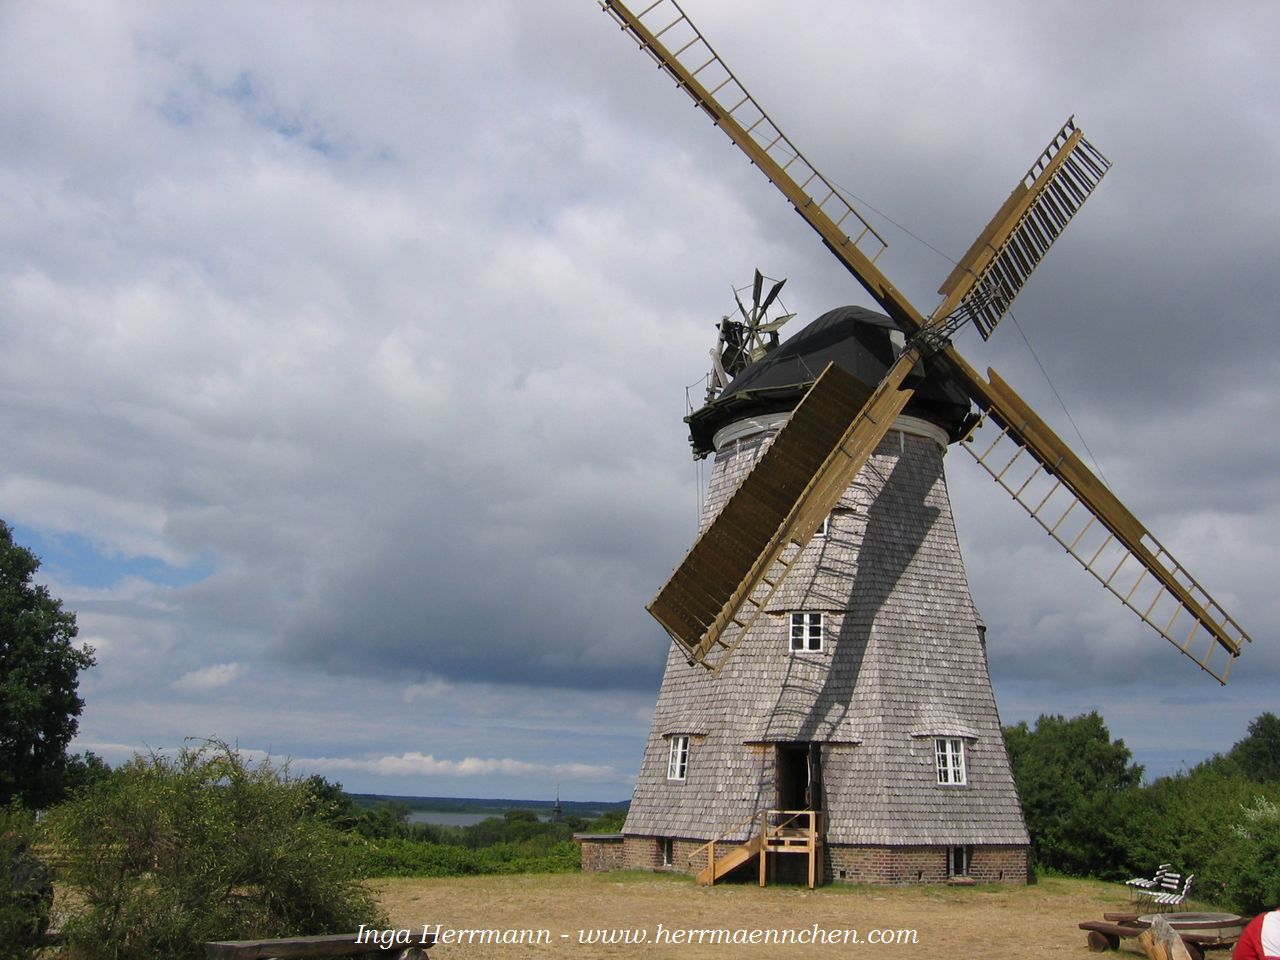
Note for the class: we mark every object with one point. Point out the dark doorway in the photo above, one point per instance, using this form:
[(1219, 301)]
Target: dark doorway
[(799, 771)]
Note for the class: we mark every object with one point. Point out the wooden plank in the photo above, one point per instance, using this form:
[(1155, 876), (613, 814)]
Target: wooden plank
[(1130, 918), (1130, 930), (298, 948), (733, 554), (968, 264)]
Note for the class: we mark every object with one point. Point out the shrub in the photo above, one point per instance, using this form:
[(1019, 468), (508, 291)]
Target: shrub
[(400, 857), (1246, 867), (26, 892), (610, 821), (167, 853)]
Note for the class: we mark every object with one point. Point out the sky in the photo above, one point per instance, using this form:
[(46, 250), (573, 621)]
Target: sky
[(346, 346)]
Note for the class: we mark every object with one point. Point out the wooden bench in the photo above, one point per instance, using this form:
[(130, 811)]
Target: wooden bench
[(305, 948), (1107, 934)]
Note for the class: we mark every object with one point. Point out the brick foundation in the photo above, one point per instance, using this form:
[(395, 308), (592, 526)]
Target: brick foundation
[(601, 852), (900, 865), (842, 863), (647, 853)]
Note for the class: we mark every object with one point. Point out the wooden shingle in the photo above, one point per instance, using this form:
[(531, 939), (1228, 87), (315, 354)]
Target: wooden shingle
[(903, 663)]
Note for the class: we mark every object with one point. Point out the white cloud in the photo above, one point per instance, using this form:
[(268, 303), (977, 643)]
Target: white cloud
[(387, 322), (212, 677)]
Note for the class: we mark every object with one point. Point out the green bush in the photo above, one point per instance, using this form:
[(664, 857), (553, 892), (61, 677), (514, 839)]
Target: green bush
[(26, 892), (1244, 872), (167, 853), (399, 857), (610, 821), (516, 827), (1186, 819)]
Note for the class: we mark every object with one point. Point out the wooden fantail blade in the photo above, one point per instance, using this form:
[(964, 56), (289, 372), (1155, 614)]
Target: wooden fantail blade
[(711, 601), (1084, 516), (982, 286)]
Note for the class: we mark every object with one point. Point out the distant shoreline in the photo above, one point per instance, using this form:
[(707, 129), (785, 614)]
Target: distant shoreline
[(484, 806)]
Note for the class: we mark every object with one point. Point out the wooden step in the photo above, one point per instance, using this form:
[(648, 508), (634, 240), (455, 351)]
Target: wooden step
[(732, 859)]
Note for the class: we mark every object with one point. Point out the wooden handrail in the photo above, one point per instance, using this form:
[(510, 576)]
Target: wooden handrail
[(723, 836), (767, 830), (792, 817), (710, 845)]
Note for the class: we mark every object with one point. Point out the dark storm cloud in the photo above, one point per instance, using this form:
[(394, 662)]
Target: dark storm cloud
[(387, 320)]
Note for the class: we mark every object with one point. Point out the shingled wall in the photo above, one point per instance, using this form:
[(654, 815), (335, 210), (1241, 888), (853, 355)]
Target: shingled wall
[(904, 662)]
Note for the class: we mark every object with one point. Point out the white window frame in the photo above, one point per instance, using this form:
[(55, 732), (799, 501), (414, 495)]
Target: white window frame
[(949, 754), (824, 527), (807, 631), (678, 758), (958, 862)]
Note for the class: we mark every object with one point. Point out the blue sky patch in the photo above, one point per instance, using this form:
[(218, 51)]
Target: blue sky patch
[(71, 557)]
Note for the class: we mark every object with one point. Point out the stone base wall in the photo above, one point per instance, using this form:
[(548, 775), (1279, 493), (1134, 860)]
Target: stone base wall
[(1010, 865), (601, 852), (899, 865), (647, 853), (842, 863)]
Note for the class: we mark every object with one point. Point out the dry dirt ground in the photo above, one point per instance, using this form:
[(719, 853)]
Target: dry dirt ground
[(991, 923)]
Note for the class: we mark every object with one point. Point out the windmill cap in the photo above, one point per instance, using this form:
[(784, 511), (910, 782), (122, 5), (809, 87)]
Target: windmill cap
[(855, 339)]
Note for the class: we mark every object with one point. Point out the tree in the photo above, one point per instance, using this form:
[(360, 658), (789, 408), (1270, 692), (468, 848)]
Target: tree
[(83, 770), (331, 803), (1074, 783), (1257, 756), (39, 679)]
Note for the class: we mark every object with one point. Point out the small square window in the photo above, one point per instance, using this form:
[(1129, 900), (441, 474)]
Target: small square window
[(678, 758), (950, 753), (806, 632)]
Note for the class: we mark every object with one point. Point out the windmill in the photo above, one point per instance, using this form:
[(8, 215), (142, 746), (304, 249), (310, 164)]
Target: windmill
[(827, 691)]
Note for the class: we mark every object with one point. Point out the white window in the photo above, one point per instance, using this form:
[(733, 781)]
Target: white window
[(668, 851), (824, 527), (678, 758), (806, 632), (958, 862), (950, 752)]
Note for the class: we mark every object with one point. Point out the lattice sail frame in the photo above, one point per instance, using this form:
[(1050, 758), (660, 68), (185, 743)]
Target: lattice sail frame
[(676, 40), (983, 284), (1028, 460), (696, 608)]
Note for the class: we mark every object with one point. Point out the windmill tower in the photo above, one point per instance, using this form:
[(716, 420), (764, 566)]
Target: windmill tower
[(863, 691), (827, 691)]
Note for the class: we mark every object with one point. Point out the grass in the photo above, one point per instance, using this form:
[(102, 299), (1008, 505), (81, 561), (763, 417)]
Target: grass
[(993, 922)]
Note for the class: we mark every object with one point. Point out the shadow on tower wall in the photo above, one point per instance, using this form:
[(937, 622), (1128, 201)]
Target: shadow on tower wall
[(812, 703)]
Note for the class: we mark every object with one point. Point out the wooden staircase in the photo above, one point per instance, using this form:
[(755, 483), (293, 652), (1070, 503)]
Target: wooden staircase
[(779, 831)]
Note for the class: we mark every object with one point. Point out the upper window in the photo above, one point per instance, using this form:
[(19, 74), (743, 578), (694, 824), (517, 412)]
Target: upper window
[(678, 758), (824, 527), (806, 632), (950, 753)]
